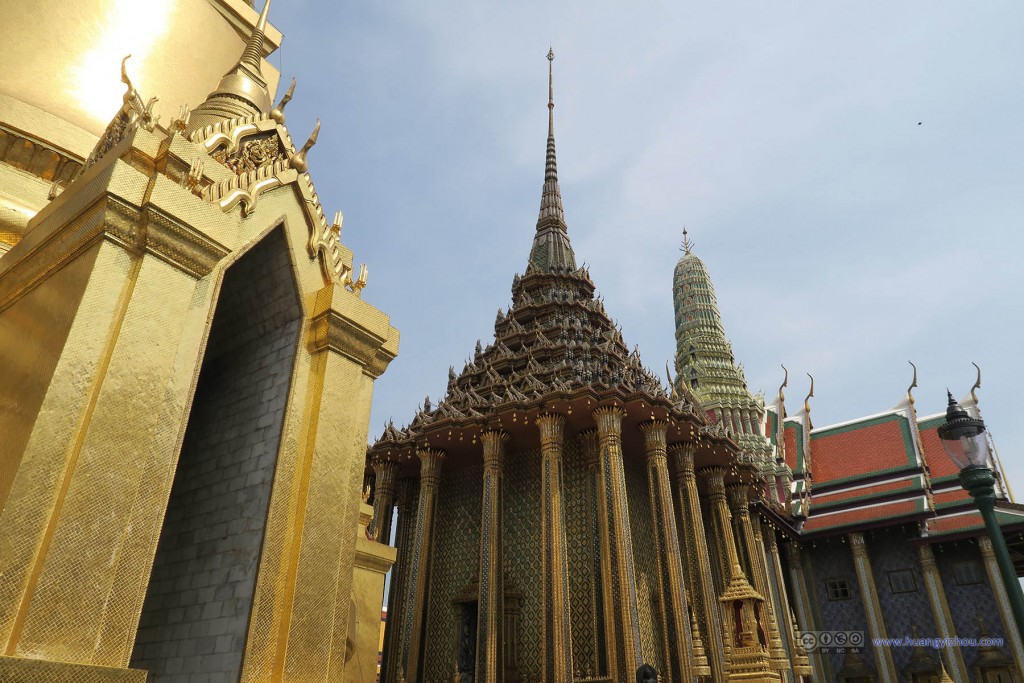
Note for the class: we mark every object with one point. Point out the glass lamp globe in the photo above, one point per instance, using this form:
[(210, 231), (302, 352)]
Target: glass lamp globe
[(963, 436)]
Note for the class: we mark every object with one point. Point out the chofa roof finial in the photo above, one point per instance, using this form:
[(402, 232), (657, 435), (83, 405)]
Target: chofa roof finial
[(913, 384), (977, 384), (785, 383), (807, 402)]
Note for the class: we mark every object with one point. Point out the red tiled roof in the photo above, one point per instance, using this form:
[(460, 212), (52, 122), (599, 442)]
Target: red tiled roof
[(790, 436), (951, 496), (948, 525), (910, 484), (938, 462), (861, 516), (971, 520), (861, 449)]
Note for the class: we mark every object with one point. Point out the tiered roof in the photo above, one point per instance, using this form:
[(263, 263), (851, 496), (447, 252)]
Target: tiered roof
[(555, 345)]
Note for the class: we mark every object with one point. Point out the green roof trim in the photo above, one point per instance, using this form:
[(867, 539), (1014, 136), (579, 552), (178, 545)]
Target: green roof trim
[(931, 423)]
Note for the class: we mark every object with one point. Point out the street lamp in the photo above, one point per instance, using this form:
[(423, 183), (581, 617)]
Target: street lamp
[(963, 438)]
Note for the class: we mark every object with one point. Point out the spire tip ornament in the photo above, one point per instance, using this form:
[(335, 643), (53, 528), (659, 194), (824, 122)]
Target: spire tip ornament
[(687, 247), (551, 251)]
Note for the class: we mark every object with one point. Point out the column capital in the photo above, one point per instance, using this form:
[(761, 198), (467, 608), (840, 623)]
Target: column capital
[(715, 477), (493, 442), (739, 496), (858, 544), (792, 554), (430, 464), (551, 427), (384, 471), (683, 457), (927, 556), (609, 420), (985, 545), (655, 435), (590, 443)]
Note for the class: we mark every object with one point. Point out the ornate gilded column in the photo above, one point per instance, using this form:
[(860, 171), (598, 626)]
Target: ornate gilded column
[(739, 498), (995, 580), (730, 559), (797, 655), (491, 605), (415, 612), (674, 611), (622, 624), (555, 633), (804, 608), (385, 473), (598, 664), (726, 544), (953, 660), (405, 500), (872, 608), (698, 567)]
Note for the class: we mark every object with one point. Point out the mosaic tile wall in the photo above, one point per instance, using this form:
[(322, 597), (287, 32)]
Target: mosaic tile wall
[(580, 513), (522, 533), (647, 578), (889, 551), (969, 603), (833, 559), (456, 557)]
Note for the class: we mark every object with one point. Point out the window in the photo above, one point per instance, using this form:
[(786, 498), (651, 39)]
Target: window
[(966, 573), (902, 581), (837, 589)]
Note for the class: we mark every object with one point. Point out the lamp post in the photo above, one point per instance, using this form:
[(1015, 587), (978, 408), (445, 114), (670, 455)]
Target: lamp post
[(963, 438)]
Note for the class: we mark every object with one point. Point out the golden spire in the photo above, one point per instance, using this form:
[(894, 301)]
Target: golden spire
[(253, 52), (243, 89), (687, 244), (551, 250)]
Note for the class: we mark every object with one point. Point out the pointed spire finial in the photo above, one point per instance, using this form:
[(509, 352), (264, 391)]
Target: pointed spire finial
[(687, 243), (551, 250), (254, 46), (551, 91), (243, 90)]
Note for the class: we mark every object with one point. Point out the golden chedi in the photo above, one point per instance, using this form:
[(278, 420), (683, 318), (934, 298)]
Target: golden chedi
[(187, 369)]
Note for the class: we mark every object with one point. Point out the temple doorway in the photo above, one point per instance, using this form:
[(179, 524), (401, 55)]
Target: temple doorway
[(195, 617)]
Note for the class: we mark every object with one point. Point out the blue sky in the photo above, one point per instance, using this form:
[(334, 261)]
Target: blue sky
[(844, 238)]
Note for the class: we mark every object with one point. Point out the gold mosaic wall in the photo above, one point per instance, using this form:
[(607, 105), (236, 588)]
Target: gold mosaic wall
[(456, 556), (647, 577), (44, 316), (580, 521)]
